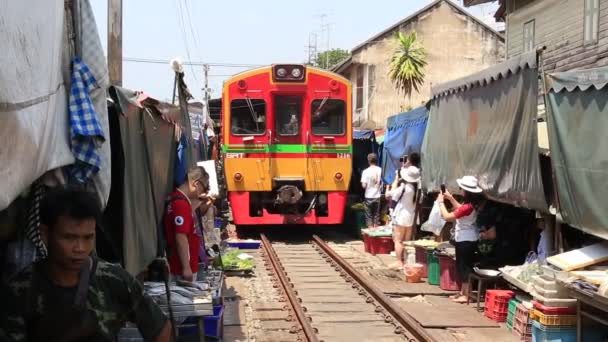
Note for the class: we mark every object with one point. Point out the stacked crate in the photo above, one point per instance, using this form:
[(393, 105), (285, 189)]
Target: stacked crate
[(553, 323), (511, 315), (522, 326), (497, 304)]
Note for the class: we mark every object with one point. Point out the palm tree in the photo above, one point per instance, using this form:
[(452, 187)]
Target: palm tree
[(408, 63)]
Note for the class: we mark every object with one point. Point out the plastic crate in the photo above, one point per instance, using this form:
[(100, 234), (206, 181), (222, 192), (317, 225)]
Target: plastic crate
[(214, 324), (498, 302), (513, 302), (421, 259), (449, 280), (434, 274), (500, 318), (381, 245), (553, 320), (522, 326), (550, 310), (366, 243), (244, 244), (541, 333)]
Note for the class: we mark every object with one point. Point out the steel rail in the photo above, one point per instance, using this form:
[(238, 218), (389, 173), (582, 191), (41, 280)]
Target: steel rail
[(308, 330), (402, 317)]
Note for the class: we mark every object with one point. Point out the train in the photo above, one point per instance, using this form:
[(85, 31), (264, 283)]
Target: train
[(286, 145)]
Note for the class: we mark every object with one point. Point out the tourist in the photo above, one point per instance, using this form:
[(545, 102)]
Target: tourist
[(73, 295), (466, 231), (403, 192), (371, 181)]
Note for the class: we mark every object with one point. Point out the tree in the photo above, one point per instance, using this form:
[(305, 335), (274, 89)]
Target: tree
[(329, 58), (408, 63)]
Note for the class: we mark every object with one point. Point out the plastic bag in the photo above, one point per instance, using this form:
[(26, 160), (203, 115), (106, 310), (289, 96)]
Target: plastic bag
[(435, 222)]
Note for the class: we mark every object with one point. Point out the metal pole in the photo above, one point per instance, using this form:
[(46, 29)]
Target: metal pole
[(115, 41)]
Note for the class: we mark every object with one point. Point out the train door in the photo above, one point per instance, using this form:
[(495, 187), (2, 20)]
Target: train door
[(329, 142)]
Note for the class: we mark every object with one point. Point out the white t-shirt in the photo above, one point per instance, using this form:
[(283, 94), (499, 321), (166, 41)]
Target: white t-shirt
[(371, 177)]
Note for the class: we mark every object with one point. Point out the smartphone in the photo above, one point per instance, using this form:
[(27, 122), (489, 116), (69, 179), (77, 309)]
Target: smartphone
[(443, 188)]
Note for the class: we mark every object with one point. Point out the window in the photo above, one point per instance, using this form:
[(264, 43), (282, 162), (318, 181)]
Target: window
[(248, 117), (288, 114), (328, 117), (371, 81), (529, 43), (592, 14), (359, 85)]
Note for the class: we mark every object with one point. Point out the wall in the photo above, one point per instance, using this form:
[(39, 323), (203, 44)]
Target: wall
[(559, 25), (456, 46)]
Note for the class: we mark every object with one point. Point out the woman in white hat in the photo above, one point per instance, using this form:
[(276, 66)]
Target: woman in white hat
[(403, 192), (466, 231)]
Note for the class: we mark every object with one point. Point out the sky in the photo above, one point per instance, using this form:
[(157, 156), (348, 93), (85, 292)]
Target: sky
[(242, 32)]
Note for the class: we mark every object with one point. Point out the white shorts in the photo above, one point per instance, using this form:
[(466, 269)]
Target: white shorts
[(404, 218)]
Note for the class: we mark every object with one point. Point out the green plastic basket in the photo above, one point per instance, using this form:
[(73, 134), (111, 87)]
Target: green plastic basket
[(432, 262), (512, 306)]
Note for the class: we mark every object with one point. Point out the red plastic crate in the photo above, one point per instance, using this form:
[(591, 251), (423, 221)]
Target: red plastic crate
[(366, 243), (496, 317), (449, 279), (421, 259), (500, 294), (497, 301), (549, 310), (381, 245)]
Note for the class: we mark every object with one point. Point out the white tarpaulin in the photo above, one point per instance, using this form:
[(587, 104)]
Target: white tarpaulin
[(33, 100)]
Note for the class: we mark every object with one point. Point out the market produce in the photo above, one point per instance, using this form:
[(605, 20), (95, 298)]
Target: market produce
[(237, 260)]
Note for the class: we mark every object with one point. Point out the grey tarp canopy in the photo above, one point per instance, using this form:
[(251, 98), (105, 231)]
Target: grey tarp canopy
[(577, 107), (485, 125), (149, 148)]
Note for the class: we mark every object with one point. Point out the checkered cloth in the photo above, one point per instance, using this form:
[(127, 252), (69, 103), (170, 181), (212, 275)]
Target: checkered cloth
[(86, 134)]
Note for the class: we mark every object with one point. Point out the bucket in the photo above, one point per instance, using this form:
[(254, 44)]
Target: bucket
[(413, 273)]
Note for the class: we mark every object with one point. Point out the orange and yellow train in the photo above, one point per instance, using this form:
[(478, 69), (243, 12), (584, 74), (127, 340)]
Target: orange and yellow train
[(287, 145)]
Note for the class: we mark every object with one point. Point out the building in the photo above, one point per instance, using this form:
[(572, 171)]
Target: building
[(573, 32), (456, 42)]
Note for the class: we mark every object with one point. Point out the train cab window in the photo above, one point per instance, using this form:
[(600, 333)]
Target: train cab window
[(248, 116), (328, 117), (288, 114)]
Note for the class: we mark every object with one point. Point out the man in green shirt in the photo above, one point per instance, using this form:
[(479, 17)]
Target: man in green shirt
[(73, 296)]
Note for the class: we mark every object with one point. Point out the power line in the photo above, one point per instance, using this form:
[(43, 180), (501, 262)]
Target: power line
[(193, 63)]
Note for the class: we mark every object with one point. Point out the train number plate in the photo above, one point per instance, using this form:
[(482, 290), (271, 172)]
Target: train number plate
[(234, 155), (344, 155)]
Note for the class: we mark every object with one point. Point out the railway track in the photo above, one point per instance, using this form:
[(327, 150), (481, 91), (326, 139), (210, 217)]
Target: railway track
[(326, 299)]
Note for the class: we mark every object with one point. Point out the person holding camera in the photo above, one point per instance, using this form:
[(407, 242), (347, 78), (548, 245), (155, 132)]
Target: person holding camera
[(403, 191), (466, 232)]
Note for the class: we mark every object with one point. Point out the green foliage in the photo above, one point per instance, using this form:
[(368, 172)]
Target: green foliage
[(407, 68), (328, 59)]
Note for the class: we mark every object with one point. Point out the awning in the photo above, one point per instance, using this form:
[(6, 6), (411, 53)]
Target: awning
[(487, 76), (485, 125), (404, 135), (365, 134), (577, 108)]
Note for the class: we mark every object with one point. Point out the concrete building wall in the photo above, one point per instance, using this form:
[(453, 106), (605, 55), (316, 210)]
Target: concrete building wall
[(559, 25), (456, 46)]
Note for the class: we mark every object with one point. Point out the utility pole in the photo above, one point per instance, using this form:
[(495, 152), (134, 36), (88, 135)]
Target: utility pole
[(115, 41), (312, 48)]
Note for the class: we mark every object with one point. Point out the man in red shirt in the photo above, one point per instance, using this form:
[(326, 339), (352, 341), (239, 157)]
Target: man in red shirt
[(180, 230)]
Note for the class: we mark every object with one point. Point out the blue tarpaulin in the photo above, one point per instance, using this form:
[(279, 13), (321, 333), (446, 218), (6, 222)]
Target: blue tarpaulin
[(404, 135), (364, 143)]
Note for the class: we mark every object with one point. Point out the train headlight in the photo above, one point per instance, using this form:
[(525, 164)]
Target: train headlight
[(296, 73), (238, 177), (281, 72), (322, 199), (338, 176)]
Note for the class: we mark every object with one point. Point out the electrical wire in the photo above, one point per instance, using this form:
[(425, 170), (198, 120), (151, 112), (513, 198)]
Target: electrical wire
[(193, 63)]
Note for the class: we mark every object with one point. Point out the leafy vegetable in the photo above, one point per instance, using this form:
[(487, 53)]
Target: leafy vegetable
[(232, 261)]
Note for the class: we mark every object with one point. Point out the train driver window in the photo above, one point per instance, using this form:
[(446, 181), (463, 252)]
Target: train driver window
[(248, 116), (328, 117), (288, 113)]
